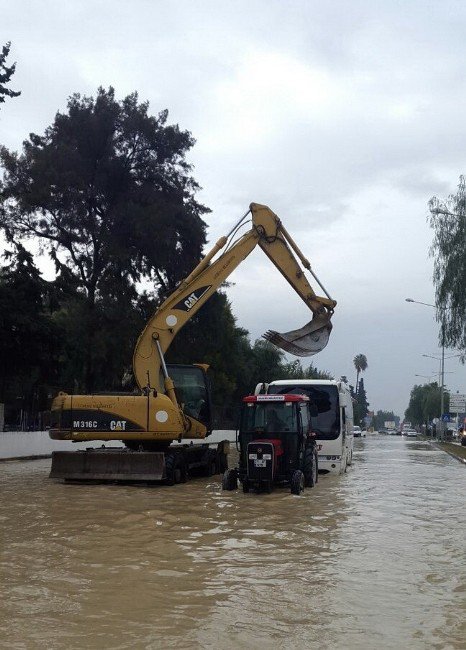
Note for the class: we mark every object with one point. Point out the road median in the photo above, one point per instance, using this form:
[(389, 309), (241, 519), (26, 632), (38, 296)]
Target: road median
[(457, 451)]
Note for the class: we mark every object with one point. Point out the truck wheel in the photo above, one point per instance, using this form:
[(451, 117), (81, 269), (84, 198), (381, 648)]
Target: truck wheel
[(297, 482), (310, 466), (230, 480)]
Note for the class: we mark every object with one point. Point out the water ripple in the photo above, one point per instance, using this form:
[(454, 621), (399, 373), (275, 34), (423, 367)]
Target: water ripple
[(371, 559)]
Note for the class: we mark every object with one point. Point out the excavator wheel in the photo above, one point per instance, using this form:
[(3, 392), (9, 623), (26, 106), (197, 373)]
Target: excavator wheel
[(175, 469)]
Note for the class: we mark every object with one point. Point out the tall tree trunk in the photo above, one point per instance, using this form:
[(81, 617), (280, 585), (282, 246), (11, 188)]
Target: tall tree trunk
[(89, 370)]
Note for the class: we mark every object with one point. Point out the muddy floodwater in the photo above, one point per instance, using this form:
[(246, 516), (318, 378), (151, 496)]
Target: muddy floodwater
[(372, 559)]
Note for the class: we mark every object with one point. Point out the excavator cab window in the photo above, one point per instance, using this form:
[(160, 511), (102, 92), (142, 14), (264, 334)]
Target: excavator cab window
[(192, 388)]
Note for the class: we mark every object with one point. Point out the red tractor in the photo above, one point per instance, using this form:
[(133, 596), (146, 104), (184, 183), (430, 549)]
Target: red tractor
[(276, 445)]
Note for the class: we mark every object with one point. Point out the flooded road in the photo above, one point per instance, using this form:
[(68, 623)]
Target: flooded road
[(372, 559)]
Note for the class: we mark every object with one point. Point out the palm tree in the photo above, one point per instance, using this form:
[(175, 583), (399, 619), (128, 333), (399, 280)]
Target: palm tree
[(360, 363)]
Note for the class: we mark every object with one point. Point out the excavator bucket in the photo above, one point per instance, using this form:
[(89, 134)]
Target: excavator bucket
[(107, 465), (306, 341)]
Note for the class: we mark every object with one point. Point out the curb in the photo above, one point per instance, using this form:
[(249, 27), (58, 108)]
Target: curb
[(20, 458), (446, 451)]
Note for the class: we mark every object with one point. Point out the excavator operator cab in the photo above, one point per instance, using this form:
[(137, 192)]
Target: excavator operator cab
[(192, 387), (275, 444)]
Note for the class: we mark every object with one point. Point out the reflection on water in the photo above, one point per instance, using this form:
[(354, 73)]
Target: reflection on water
[(371, 559)]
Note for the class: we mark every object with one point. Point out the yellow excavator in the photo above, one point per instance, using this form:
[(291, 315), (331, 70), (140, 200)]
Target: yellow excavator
[(174, 402)]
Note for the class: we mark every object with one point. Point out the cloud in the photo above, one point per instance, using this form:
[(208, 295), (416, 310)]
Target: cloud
[(344, 118)]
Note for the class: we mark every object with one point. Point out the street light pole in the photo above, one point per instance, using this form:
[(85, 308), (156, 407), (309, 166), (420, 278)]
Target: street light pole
[(442, 370), (442, 365)]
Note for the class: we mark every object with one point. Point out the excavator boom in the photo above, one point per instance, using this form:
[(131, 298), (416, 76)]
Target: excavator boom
[(174, 401), (271, 236)]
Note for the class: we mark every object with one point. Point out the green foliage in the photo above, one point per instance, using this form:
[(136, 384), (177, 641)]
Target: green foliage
[(360, 403), (381, 417), (294, 370), (448, 220), (360, 363), (424, 403), (6, 72), (108, 194), (29, 340)]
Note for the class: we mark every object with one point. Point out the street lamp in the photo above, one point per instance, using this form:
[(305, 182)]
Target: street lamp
[(451, 356), (442, 363), (430, 377)]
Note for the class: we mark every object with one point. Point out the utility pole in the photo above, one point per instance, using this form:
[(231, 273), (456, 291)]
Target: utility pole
[(442, 370)]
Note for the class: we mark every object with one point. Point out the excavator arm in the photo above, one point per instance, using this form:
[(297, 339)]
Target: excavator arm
[(268, 233), (149, 422)]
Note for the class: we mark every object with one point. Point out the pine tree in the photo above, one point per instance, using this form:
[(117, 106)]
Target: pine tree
[(6, 72)]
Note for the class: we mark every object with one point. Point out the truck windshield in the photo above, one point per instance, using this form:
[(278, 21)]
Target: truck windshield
[(327, 423), (270, 417)]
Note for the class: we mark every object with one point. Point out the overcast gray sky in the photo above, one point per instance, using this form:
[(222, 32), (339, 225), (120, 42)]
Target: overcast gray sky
[(343, 117)]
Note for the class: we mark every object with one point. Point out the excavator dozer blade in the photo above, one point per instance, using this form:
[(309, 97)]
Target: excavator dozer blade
[(108, 465), (306, 341)]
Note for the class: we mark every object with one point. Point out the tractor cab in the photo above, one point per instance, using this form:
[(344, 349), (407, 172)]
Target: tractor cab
[(275, 444)]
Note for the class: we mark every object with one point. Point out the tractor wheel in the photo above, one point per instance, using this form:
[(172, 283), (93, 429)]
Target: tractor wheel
[(310, 466), (230, 480), (297, 482)]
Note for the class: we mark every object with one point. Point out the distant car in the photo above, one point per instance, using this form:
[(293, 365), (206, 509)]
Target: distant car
[(410, 433), (357, 433)]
